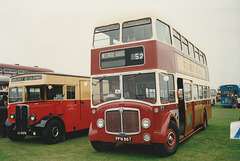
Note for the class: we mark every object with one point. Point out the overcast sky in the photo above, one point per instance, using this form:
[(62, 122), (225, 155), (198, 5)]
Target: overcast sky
[(57, 34)]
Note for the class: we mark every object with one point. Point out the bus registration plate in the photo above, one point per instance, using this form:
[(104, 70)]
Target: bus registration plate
[(125, 139)]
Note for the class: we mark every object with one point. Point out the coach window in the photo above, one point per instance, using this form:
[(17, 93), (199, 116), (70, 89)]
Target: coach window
[(200, 92), (167, 89), (163, 32), (10, 71), (1, 71), (195, 92), (187, 91), (177, 40), (16, 94), (54, 92), (23, 71), (185, 45), (34, 93), (196, 54), (70, 92)]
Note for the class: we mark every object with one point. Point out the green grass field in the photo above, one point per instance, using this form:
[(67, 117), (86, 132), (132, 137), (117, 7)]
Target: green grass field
[(211, 144)]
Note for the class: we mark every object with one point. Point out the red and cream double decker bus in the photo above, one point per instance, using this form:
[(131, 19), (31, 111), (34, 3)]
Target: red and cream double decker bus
[(149, 85), (47, 105)]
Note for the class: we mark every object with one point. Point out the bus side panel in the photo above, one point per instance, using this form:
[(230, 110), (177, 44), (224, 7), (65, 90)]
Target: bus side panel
[(198, 112), (161, 136), (208, 109)]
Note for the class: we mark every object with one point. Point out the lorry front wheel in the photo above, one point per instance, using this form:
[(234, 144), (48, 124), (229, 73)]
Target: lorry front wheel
[(12, 135), (53, 132)]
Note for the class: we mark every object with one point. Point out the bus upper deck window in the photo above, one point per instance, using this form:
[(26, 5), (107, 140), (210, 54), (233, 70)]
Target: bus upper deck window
[(177, 40), (137, 30), (197, 54), (106, 35), (201, 58), (163, 32), (185, 45)]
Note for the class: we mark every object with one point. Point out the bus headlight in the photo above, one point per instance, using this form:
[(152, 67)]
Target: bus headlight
[(100, 123), (33, 117), (12, 115), (146, 123)]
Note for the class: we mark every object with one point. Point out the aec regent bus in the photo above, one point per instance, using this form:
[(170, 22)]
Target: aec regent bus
[(230, 95), (149, 85), (47, 105)]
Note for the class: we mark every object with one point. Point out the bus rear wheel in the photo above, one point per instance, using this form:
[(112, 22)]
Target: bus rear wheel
[(53, 132), (12, 135), (101, 146), (170, 147)]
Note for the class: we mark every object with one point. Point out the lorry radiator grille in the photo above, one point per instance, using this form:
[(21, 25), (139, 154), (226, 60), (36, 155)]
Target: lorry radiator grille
[(22, 117)]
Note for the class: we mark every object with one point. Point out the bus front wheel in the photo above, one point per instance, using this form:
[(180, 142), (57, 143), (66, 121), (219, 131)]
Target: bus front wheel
[(101, 146), (170, 147), (53, 132)]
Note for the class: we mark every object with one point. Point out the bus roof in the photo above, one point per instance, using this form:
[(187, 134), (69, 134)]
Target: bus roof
[(4, 80), (128, 16), (45, 79), (230, 85), (21, 67)]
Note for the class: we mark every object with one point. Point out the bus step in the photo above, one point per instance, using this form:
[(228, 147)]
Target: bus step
[(182, 138)]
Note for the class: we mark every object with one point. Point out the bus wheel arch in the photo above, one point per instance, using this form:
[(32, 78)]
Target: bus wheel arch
[(170, 146), (54, 130)]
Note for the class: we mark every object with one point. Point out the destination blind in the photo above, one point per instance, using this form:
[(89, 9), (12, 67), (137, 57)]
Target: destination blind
[(122, 57)]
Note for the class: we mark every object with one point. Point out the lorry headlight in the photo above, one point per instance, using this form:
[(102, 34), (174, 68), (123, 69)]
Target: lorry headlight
[(12, 115), (33, 117), (146, 123), (100, 123)]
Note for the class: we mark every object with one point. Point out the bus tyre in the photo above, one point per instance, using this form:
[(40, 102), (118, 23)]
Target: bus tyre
[(12, 135), (204, 125), (53, 132), (170, 147), (101, 146)]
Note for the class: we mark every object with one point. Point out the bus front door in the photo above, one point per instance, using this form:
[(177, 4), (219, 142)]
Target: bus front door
[(185, 107)]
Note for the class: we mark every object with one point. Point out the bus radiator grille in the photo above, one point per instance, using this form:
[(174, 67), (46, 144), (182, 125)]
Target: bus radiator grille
[(122, 121)]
